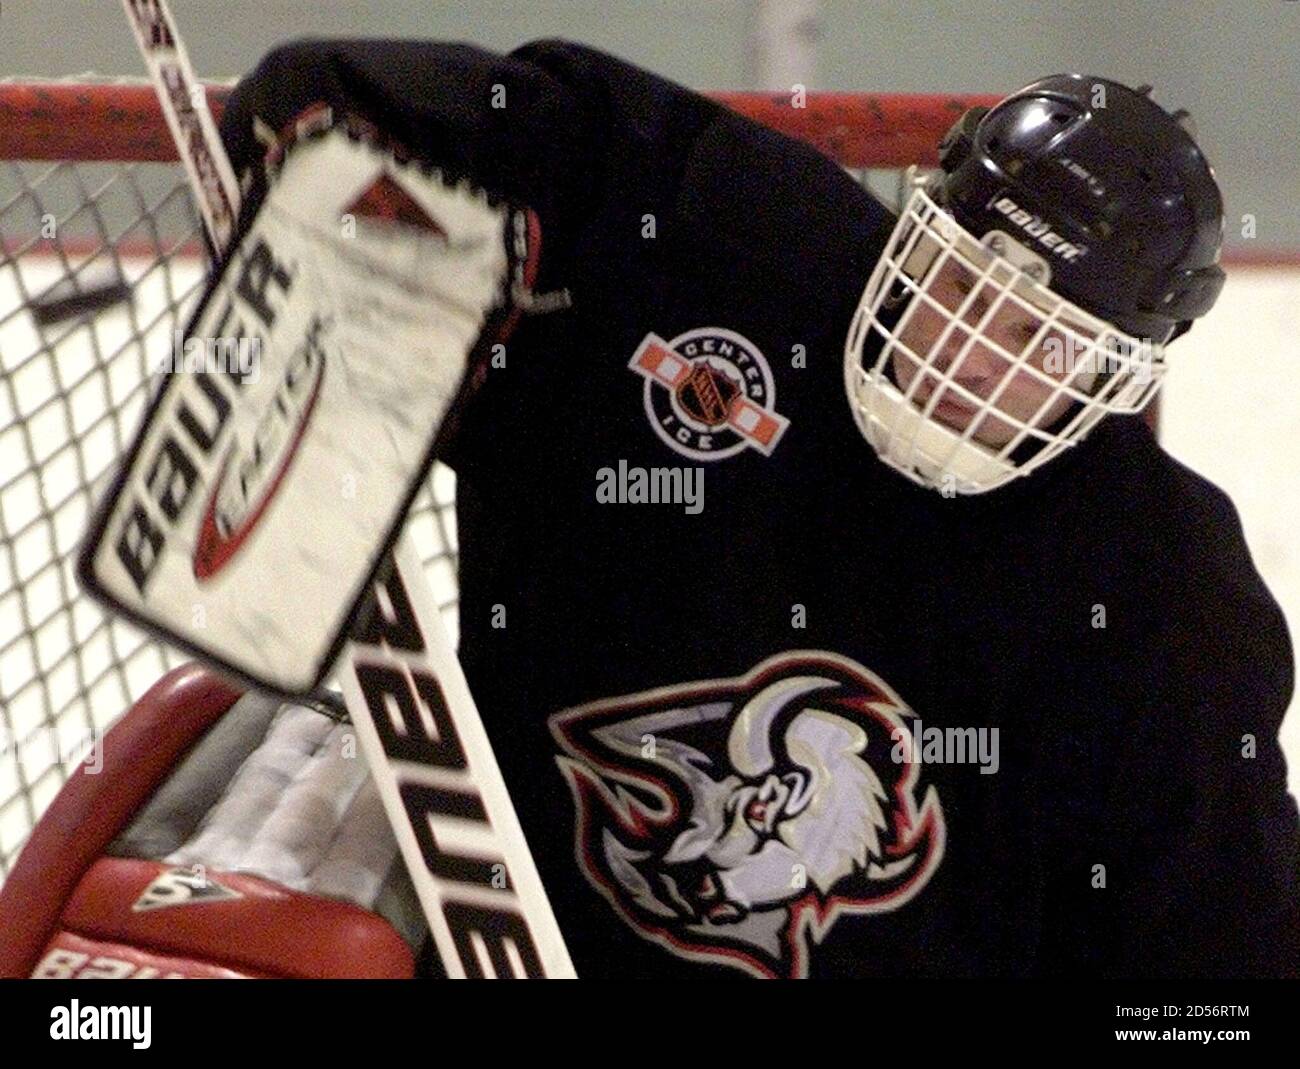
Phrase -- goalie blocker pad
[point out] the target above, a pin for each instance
(275, 466)
(131, 873)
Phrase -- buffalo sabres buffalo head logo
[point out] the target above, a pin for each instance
(734, 821)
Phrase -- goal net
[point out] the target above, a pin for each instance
(101, 260)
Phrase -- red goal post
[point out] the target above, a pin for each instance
(121, 121)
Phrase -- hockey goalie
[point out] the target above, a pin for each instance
(954, 673)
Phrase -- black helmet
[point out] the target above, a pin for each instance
(1106, 185)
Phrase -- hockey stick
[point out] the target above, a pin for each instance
(185, 107)
(422, 736)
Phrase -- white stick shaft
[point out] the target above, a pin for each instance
(185, 106)
(444, 793)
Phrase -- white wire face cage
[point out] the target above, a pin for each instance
(981, 373)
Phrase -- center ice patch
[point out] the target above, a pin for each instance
(709, 393)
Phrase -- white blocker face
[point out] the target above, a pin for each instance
(965, 371)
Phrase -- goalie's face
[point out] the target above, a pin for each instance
(965, 370)
(931, 352)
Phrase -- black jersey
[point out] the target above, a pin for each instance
(817, 721)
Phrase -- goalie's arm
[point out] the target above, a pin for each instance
(1201, 849)
(502, 123)
(486, 122)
